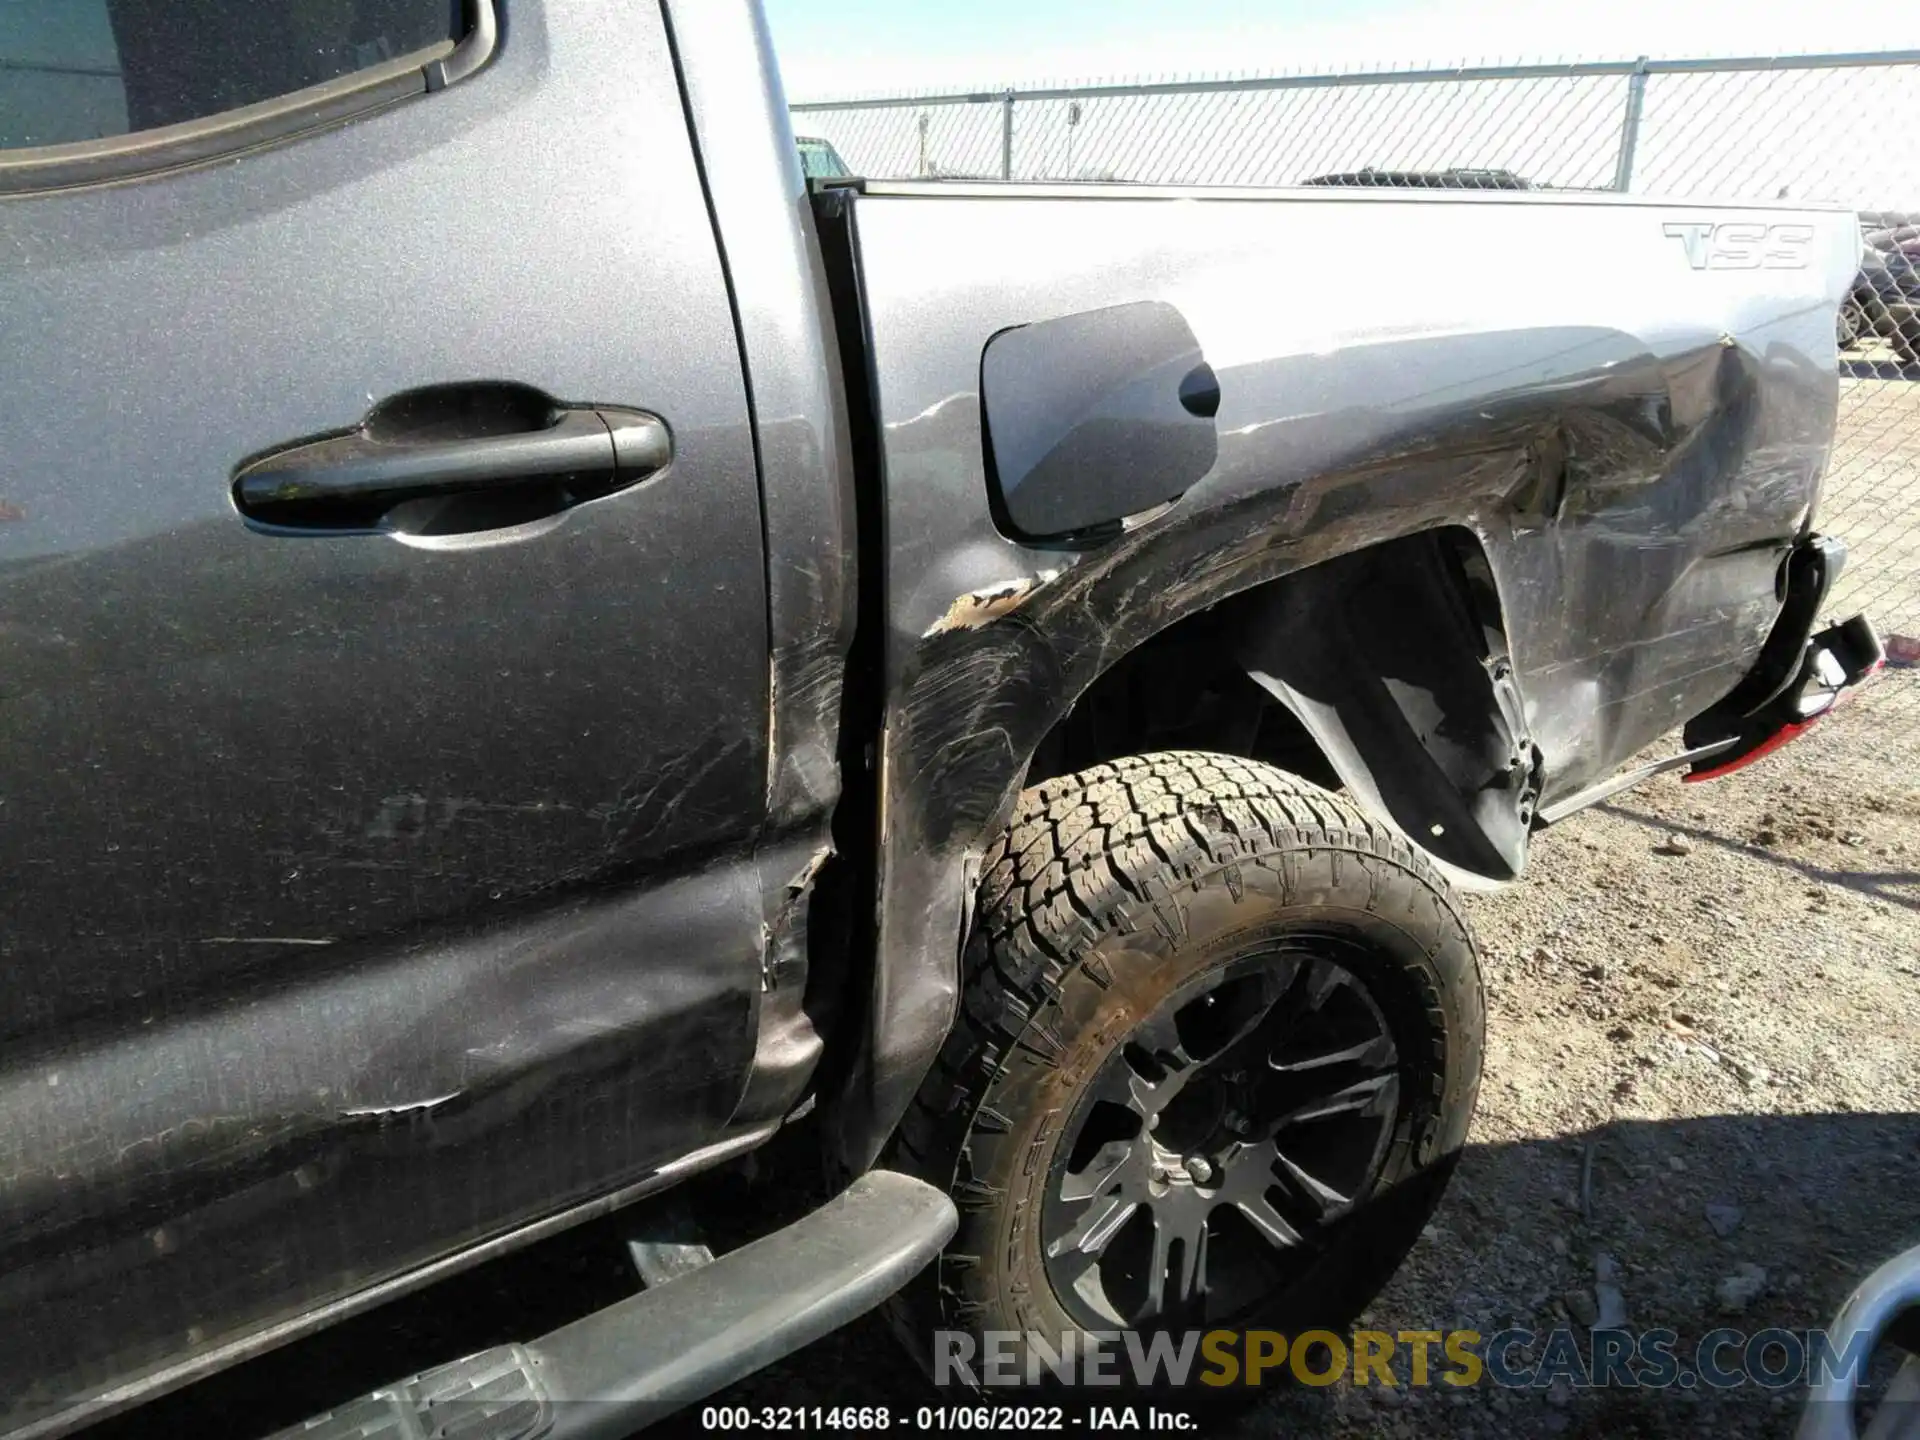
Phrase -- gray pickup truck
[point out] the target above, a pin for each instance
(541, 653)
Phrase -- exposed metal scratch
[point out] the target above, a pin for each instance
(407, 1107)
(797, 886)
(977, 607)
(267, 940)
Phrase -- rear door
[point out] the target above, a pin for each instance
(382, 655)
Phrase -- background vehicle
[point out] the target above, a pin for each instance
(1904, 238)
(541, 656)
(1885, 300)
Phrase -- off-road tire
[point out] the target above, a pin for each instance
(1109, 890)
(1849, 325)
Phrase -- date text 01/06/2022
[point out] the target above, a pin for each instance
(821, 1419)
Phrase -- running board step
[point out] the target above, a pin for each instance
(618, 1369)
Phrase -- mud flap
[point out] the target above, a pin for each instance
(1837, 659)
(1799, 677)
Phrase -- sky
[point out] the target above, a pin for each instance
(835, 48)
(1847, 136)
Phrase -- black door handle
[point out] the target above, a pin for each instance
(436, 478)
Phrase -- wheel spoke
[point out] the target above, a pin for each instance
(1106, 1169)
(1376, 1094)
(1322, 1196)
(1313, 984)
(1189, 1273)
(1121, 1084)
(1249, 1175)
(1377, 1053)
(1322, 980)
(1161, 1036)
(1177, 1279)
(1285, 1047)
(1271, 1224)
(1306, 990)
(1273, 991)
(1144, 1095)
(1068, 1267)
(1097, 1225)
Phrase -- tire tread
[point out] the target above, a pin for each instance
(1083, 853)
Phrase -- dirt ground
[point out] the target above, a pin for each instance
(1701, 998)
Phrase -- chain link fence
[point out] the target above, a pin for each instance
(1831, 128)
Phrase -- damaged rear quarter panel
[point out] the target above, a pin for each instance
(1634, 443)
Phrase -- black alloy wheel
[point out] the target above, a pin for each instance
(1248, 1112)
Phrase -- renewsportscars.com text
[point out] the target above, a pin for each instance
(1775, 1359)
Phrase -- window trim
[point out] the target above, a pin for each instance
(284, 117)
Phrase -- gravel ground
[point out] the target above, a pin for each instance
(1709, 991)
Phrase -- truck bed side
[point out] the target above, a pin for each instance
(1628, 418)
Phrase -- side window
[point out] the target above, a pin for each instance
(74, 71)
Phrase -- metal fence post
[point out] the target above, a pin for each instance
(1630, 126)
(1006, 136)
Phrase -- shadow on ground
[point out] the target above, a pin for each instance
(1896, 887)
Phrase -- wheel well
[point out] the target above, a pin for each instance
(1184, 689)
(1384, 672)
